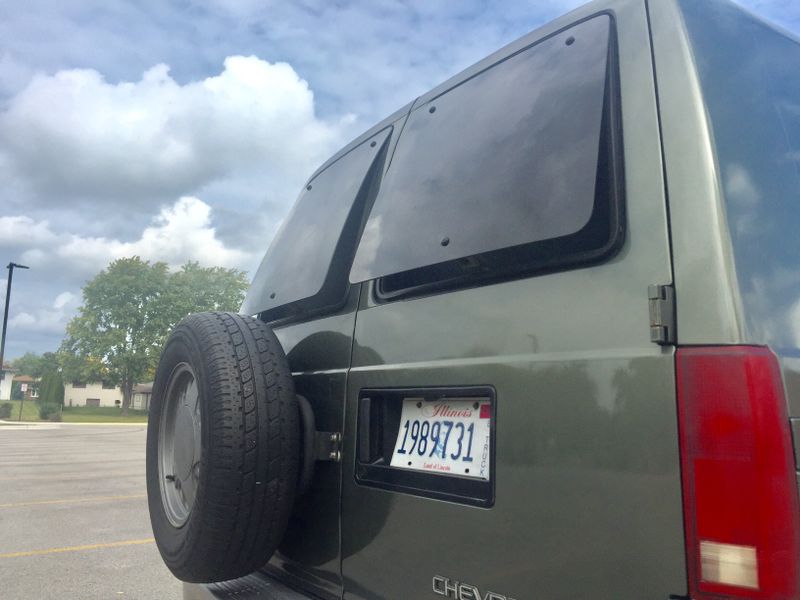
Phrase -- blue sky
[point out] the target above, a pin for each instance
(182, 130)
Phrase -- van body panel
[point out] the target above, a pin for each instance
(791, 379)
(709, 307)
(745, 75)
(583, 504)
(318, 352)
(587, 489)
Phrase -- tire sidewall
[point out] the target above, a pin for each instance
(181, 348)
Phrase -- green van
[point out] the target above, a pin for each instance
(536, 335)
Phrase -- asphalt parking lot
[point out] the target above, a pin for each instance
(73, 515)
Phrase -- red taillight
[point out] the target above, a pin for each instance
(739, 484)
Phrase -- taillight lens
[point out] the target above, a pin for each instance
(739, 484)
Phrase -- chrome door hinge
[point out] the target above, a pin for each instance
(662, 314)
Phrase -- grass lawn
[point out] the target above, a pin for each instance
(102, 414)
(80, 414)
(30, 411)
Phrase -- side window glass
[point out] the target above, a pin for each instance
(749, 75)
(307, 263)
(510, 158)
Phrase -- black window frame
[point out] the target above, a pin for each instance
(553, 254)
(336, 287)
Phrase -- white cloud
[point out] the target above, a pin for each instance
(24, 231)
(51, 320)
(742, 192)
(75, 133)
(740, 187)
(34, 256)
(22, 320)
(793, 317)
(64, 299)
(180, 233)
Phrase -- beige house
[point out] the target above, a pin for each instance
(6, 376)
(141, 396)
(93, 393)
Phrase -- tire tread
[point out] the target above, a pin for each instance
(250, 463)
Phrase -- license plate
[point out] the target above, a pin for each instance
(446, 437)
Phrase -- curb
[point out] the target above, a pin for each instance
(67, 424)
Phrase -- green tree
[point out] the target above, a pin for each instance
(195, 289)
(28, 364)
(51, 388)
(76, 367)
(128, 310)
(49, 363)
(35, 365)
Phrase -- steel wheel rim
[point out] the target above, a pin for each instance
(179, 445)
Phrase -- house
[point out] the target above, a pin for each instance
(141, 396)
(6, 376)
(93, 393)
(29, 386)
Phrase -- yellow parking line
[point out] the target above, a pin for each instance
(71, 500)
(58, 478)
(77, 548)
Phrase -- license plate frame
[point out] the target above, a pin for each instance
(378, 422)
(447, 436)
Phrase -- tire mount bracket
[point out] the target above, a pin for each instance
(316, 445)
(328, 446)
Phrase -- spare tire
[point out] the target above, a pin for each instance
(222, 447)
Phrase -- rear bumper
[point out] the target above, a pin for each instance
(257, 586)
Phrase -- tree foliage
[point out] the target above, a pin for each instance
(75, 367)
(196, 289)
(51, 389)
(36, 365)
(128, 310)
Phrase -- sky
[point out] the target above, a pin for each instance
(182, 130)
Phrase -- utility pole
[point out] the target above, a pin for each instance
(10, 268)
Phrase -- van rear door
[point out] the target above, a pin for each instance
(510, 426)
(302, 290)
(730, 109)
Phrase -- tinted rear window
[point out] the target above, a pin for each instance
(506, 158)
(302, 255)
(750, 76)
